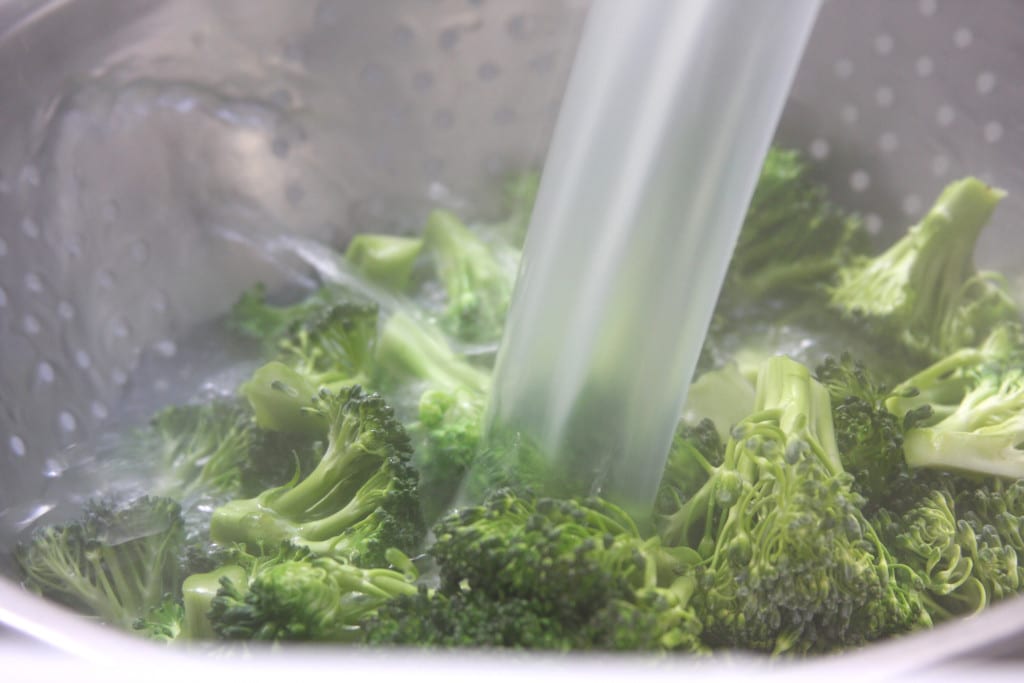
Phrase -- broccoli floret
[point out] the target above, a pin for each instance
(477, 284)
(118, 562)
(163, 623)
(385, 260)
(361, 498)
(254, 317)
(962, 538)
(301, 597)
(964, 412)
(924, 291)
(789, 561)
(793, 238)
(199, 448)
(869, 437)
(538, 573)
(693, 456)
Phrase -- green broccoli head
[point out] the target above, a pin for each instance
(693, 456)
(790, 562)
(964, 412)
(868, 436)
(118, 562)
(254, 317)
(923, 292)
(790, 215)
(364, 468)
(163, 623)
(303, 599)
(539, 573)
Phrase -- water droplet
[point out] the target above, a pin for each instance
(448, 38)
(17, 445)
(119, 377)
(993, 131)
(3, 247)
(873, 223)
(33, 283)
(45, 373)
(29, 228)
(819, 149)
(82, 359)
(924, 67)
(883, 44)
(65, 310)
(53, 468)
(99, 411)
(945, 115)
(912, 205)
(888, 142)
(105, 279)
(963, 37)
(140, 252)
(884, 96)
(67, 421)
(986, 82)
(31, 325)
(422, 81)
(927, 7)
(3, 298)
(166, 348)
(860, 180)
(843, 68)
(850, 114)
(30, 176)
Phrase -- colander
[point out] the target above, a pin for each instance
(152, 153)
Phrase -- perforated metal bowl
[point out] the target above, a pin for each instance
(148, 149)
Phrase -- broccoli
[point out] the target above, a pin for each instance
(254, 317)
(477, 284)
(118, 562)
(964, 412)
(385, 260)
(924, 291)
(298, 596)
(361, 498)
(790, 216)
(962, 538)
(163, 623)
(539, 573)
(789, 561)
(868, 436)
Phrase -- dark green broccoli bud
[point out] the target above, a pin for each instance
(924, 291)
(793, 238)
(118, 562)
(541, 573)
(477, 284)
(869, 437)
(361, 495)
(790, 562)
(385, 260)
(304, 599)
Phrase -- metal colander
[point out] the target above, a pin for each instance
(150, 151)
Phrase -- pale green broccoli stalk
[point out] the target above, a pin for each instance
(361, 498)
(118, 562)
(478, 286)
(411, 349)
(385, 260)
(924, 291)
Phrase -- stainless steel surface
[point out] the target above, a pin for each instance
(146, 145)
